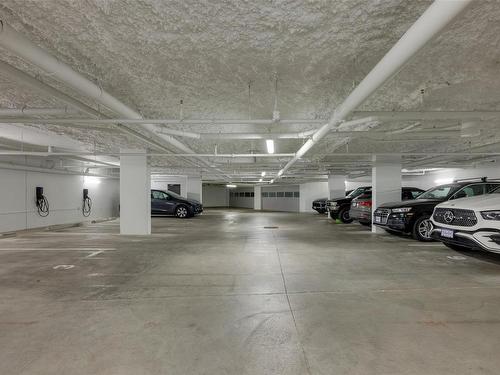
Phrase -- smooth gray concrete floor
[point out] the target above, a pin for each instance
(221, 294)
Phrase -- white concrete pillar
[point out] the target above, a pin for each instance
(257, 197)
(386, 182)
(194, 189)
(336, 186)
(135, 193)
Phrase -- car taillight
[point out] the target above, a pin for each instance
(365, 203)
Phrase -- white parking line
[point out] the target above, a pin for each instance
(426, 245)
(63, 249)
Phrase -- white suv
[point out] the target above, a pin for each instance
(469, 223)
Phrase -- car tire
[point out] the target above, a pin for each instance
(344, 215)
(456, 247)
(181, 212)
(422, 229)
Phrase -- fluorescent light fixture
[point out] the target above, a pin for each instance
(260, 180)
(231, 186)
(91, 180)
(270, 146)
(263, 174)
(272, 181)
(441, 181)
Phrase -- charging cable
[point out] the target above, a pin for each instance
(87, 206)
(42, 204)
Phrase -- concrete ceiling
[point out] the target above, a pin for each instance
(152, 54)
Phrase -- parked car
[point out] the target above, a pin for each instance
(339, 208)
(320, 205)
(414, 216)
(469, 223)
(169, 203)
(361, 206)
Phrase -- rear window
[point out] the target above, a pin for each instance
(439, 192)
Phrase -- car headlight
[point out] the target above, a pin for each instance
(490, 215)
(401, 210)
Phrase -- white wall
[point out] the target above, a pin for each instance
(311, 191)
(194, 188)
(162, 182)
(64, 193)
(215, 195)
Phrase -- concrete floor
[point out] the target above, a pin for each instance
(220, 294)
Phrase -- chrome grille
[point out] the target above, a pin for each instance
(383, 213)
(455, 216)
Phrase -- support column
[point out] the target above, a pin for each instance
(135, 193)
(257, 197)
(194, 188)
(386, 182)
(336, 186)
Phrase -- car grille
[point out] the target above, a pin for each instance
(383, 213)
(458, 217)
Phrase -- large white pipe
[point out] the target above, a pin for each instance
(30, 52)
(18, 112)
(25, 79)
(430, 24)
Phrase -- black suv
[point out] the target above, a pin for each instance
(339, 207)
(319, 205)
(413, 216)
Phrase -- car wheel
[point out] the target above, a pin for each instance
(344, 215)
(181, 212)
(456, 247)
(422, 229)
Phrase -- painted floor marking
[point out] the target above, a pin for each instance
(426, 245)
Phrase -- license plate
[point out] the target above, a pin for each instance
(378, 219)
(448, 233)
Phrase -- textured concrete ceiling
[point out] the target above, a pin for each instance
(151, 54)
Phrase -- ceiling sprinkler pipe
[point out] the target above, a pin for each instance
(19, 112)
(430, 24)
(30, 52)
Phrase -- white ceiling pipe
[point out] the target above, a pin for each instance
(429, 24)
(25, 79)
(19, 167)
(24, 48)
(18, 112)
(175, 122)
(427, 115)
(28, 153)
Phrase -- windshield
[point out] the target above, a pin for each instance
(356, 192)
(439, 192)
(175, 195)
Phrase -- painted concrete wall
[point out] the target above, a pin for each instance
(194, 188)
(215, 195)
(64, 193)
(311, 191)
(162, 182)
(274, 202)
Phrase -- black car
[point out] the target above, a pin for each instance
(361, 206)
(320, 205)
(413, 216)
(339, 207)
(169, 203)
